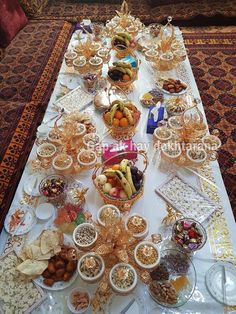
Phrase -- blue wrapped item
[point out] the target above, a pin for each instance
(131, 60)
(155, 115)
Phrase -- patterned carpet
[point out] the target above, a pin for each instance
(212, 54)
(74, 10)
(28, 73)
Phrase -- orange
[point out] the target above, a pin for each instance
(116, 167)
(107, 116)
(124, 122)
(118, 114)
(116, 122)
(126, 78)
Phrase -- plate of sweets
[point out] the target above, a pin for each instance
(51, 260)
(20, 220)
(151, 98)
(171, 86)
(173, 280)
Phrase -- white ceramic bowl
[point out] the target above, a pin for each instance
(88, 143)
(77, 229)
(159, 131)
(197, 161)
(69, 300)
(82, 130)
(120, 290)
(141, 234)
(149, 266)
(99, 275)
(213, 138)
(101, 210)
(87, 164)
(44, 211)
(43, 146)
(42, 130)
(66, 167)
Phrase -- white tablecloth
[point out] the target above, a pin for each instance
(150, 205)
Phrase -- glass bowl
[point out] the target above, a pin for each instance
(182, 276)
(53, 187)
(189, 234)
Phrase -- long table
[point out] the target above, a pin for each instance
(220, 226)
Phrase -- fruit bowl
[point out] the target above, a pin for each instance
(122, 75)
(123, 44)
(121, 184)
(121, 119)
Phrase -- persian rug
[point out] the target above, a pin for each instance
(74, 10)
(29, 71)
(212, 54)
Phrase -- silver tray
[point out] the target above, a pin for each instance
(186, 198)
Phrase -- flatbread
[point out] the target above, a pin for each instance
(50, 240)
(32, 268)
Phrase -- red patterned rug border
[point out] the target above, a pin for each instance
(26, 122)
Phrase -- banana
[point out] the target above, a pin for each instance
(122, 64)
(126, 65)
(127, 43)
(129, 72)
(124, 182)
(113, 111)
(117, 101)
(120, 38)
(125, 35)
(121, 106)
(128, 115)
(129, 105)
(128, 176)
(123, 165)
(120, 69)
(109, 173)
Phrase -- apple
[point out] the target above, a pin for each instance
(114, 192)
(122, 194)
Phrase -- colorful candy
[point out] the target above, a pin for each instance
(189, 234)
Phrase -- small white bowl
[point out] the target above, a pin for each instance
(44, 211)
(80, 245)
(88, 143)
(149, 266)
(87, 164)
(81, 132)
(42, 130)
(69, 300)
(197, 161)
(141, 234)
(65, 168)
(209, 146)
(158, 132)
(44, 146)
(99, 275)
(104, 207)
(117, 289)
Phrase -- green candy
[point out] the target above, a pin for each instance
(80, 219)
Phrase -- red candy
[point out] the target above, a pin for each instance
(186, 226)
(192, 234)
